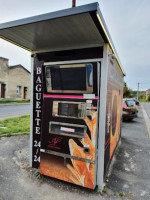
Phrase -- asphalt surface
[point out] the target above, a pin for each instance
(130, 174)
(14, 110)
(131, 171)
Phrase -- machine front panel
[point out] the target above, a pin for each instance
(69, 133)
(69, 123)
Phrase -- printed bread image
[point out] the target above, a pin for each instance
(92, 126)
(53, 166)
(85, 170)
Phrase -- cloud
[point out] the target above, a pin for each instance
(15, 54)
(127, 20)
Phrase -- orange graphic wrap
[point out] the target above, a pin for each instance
(85, 170)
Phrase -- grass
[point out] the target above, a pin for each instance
(15, 125)
(144, 100)
(15, 101)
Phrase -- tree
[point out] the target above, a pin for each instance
(126, 91)
(142, 96)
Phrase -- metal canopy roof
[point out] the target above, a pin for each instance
(57, 34)
(72, 28)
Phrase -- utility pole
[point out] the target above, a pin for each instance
(138, 91)
(73, 3)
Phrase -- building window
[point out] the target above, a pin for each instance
(18, 90)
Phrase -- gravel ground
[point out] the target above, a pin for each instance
(19, 182)
(130, 174)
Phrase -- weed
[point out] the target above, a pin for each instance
(116, 151)
(96, 189)
(104, 190)
(121, 194)
(37, 173)
(106, 179)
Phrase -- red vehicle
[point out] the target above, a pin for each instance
(130, 110)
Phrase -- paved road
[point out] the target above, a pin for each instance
(130, 173)
(14, 110)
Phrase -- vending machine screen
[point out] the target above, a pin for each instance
(69, 78)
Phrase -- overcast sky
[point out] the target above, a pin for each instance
(128, 22)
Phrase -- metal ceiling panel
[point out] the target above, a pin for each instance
(71, 32)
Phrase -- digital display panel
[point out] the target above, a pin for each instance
(68, 78)
(71, 78)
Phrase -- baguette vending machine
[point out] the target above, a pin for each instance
(76, 93)
(69, 138)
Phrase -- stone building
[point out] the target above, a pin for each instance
(147, 94)
(14, 81)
